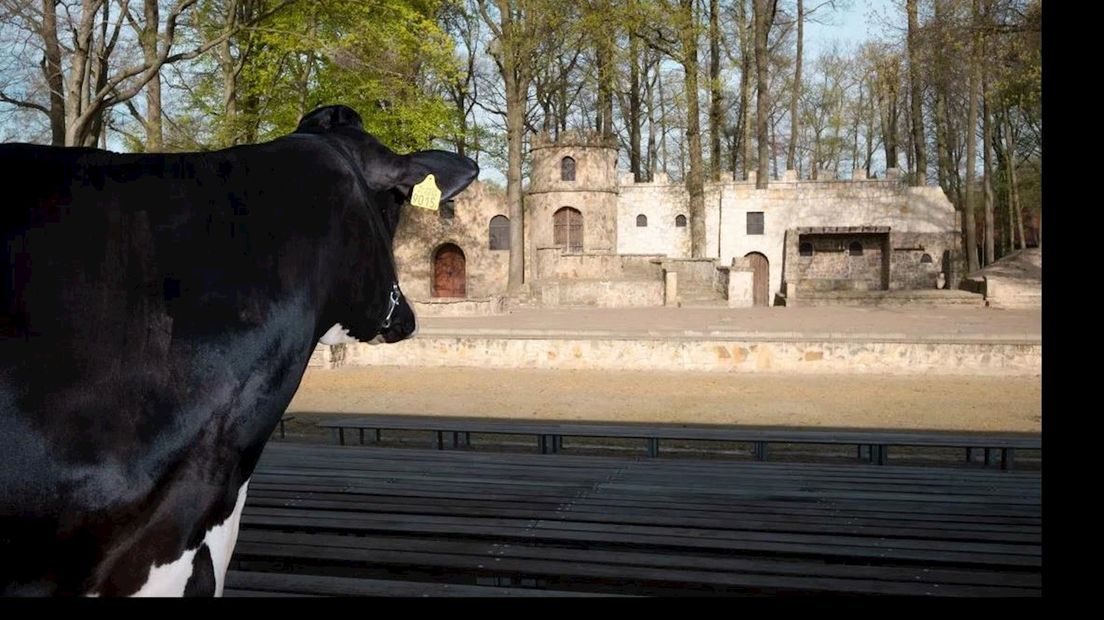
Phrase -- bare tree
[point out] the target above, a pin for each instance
(915, 96)
(98, 77)
(515, 26)
(764, 12)
(716, 112)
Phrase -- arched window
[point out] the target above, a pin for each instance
(567, 169)
(500, 232)
(926, 259)
(855, 249)
(805, 249)
(567, 229)
(641, 221)
(680, 221)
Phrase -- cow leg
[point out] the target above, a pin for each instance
(222, 539)
(191, 573)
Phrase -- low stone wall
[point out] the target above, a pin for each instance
(737, 354)
(601, 293)
(929, 297)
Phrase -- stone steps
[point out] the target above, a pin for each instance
(698, 291)
(889, 298)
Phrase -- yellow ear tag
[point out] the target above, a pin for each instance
(426, 195)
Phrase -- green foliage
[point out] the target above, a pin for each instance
(383, 58)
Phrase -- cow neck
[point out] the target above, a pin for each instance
(395, 295)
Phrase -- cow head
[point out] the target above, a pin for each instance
(373, 308)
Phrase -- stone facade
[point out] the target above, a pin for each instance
(908, 234)
(421, 232)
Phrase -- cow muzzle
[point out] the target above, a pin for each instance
(399, 323)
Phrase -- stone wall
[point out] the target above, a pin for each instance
(788, 205)
(908, 267)
(600, 293)
(422, 231)
(920, 219)
(722, 355)
(553, 263)
(661, 204)
(832, 267)
(593, 193)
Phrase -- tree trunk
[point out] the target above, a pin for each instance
(870, 121)
(855, 129)
(695, 179)
(1015, 215)
(795, 127)
(744, 25)
(1002, 200)
(662, 120)
(941, 147)
(98, 67)
(634, 119)
(604, 61)
(764, 17)
(148, 40)
(887, 101)
(971, 147)
(653, 157)
(78, 75)
(716, 111)
(515, 126)
(915, 94)
(986, 174)
(51, 68)
(814, 164)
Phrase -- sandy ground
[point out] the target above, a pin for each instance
(884, 402)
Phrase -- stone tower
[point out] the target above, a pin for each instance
(591, 191)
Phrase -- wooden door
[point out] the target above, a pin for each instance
(567, 229)
(760, 279)
(449, 272)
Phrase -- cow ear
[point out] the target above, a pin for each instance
(451, 171)
(329, 117)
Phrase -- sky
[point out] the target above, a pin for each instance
(848, 26)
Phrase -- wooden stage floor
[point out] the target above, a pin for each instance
(329, 520)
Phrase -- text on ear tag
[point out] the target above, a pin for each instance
(426, 195)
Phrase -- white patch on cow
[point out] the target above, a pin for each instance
(222, 538)
(171, 579)
(337, 335)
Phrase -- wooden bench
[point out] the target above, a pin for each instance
(340, 520)
(872, 446)
(241, 584)
(284, 420)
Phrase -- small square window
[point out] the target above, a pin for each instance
(755, 223)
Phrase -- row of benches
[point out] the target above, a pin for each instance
(344, 521)
(872, 446)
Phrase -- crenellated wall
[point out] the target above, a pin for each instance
(915, 224)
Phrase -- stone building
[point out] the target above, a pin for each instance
(594, 237)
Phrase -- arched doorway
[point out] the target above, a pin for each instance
(449, 272)
(760, 267)
(567, 229)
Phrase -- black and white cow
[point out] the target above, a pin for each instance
(157, 313)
